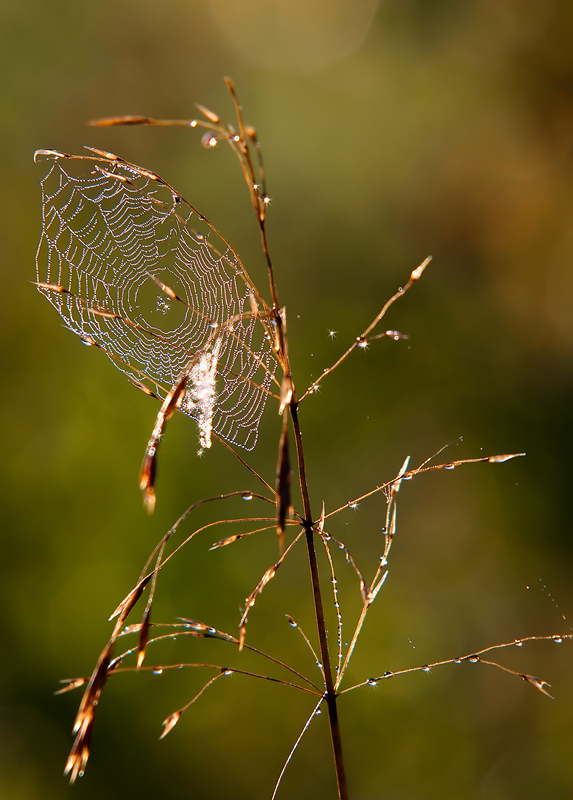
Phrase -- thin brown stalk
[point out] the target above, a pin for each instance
(362, 340)
(330, 697)
(473, 658)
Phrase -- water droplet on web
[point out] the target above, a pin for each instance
(425, 668)
(388, 674)
(227, 671)
(558, 639)
(371, 682)
(457, 661)
(318, 711)
(450, 466)
(473, 659)
(247, 496)
(158, 670)
(319, 665)
(518, 643)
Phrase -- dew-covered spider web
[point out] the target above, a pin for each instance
(125, 262)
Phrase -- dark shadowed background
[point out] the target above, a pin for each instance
(390, 131)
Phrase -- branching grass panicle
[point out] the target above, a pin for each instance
(135, 270)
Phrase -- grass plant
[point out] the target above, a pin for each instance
(136, 271)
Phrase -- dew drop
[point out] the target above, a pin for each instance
(318, 711)
(473, 659)
(371, 682)
(293, 623)
(158, 670)
(319, 665)
(209, 140)
(247, 496)
(425, 668)
(388, 674)
(518, 643)
(457, 661)
(558, 639)
(450, 466)
(226, 671)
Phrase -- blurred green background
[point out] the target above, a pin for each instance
(390, 131)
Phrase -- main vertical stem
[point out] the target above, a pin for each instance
(330, 697)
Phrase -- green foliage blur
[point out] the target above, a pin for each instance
(407, 128)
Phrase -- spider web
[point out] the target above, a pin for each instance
(130, 274)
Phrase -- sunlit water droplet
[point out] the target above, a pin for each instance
(473, 659)
(247, 496)
(558, 639)
(371, 682)
(518, 643)
(158, 670)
